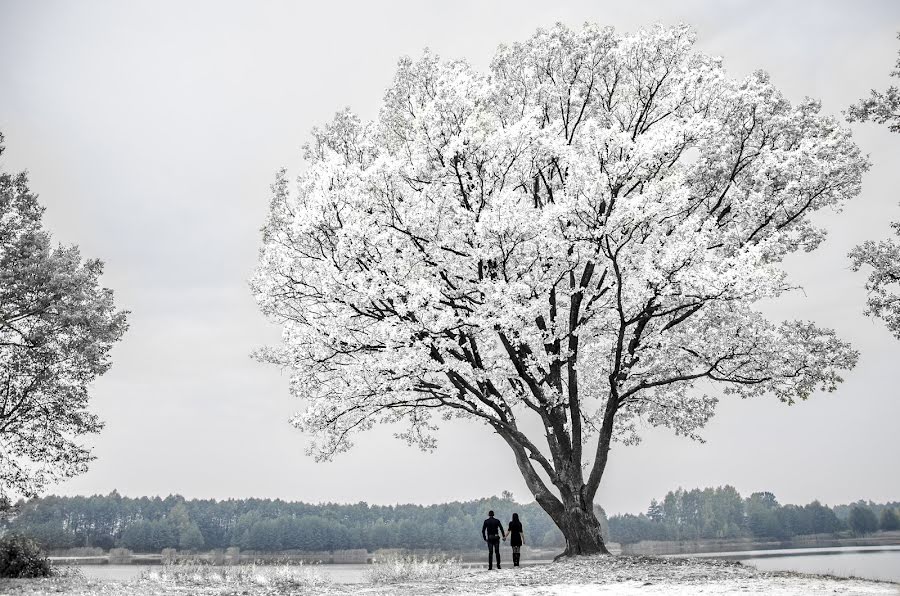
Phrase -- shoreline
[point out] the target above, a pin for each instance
(626, 575)
(697, 547)
(712, 550)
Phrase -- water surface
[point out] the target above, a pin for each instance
(870, 563)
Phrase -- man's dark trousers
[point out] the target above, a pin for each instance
(493, 547)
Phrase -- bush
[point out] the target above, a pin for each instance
(22, 557)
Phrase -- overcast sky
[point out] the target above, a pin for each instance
(152, 130)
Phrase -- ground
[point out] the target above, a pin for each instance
(581, 576)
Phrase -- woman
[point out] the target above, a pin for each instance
(516, 537)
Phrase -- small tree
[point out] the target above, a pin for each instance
(889, 520)
(57, 326)
(822, 518)
(862, 520)
(579, 235)
(191, 538)
(882, 256)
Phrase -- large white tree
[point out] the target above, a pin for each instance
(883, 256)
(578, 235)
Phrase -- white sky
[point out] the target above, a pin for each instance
(152, 131)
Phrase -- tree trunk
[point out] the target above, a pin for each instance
(573, 513)
(581, 528)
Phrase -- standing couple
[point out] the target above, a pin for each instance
(492, 529)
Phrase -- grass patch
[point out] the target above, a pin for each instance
(398, 570)
(237, 576)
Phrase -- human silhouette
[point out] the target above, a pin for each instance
(516, 538)
(491, 530)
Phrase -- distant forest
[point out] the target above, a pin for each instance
(149, 524)
(152, 524)
(722, 513)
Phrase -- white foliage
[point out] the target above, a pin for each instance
(883, 257)
(618, 189)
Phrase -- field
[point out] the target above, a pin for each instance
(626, 575)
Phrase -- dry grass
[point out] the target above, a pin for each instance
(400, 570)
(283, 577)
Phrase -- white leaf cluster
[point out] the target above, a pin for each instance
(883, 284)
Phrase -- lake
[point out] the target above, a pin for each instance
(867, 562)
(881, 563)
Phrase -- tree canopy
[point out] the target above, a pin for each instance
(57, 325)
(580, 233)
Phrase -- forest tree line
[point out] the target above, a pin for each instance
(722, 512)
(150, 524)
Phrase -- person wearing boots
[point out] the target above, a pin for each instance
(491, 530)
(516, 538)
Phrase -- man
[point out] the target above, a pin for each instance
(491, 530)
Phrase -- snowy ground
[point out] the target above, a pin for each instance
(579, 577)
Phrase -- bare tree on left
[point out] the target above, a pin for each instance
(57, 326)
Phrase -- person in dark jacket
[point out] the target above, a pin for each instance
(516, 538)
(491, 530)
